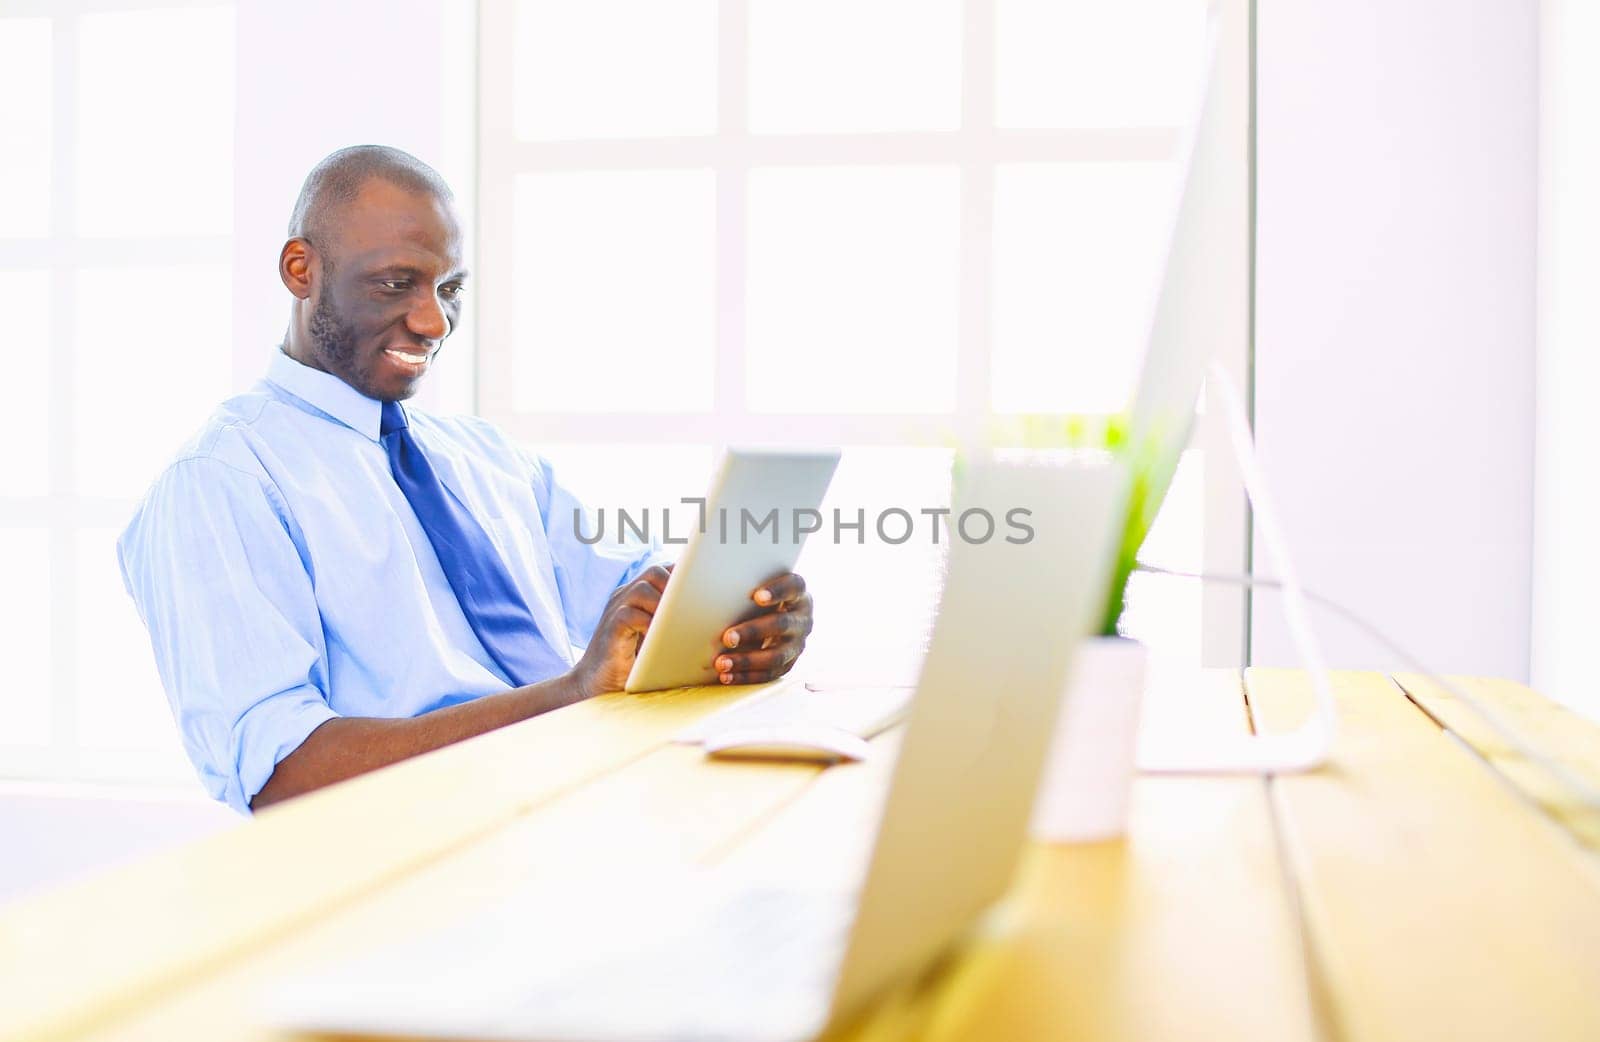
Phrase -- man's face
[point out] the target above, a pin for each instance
(386, 291)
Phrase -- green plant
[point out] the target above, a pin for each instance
(1151, 464)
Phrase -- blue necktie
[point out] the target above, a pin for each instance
(488, 598)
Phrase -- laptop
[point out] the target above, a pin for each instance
(696, 960)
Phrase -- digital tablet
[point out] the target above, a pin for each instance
(762, 505)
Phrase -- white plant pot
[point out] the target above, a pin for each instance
(1088, 773)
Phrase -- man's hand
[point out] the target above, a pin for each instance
(611, 651)
(765, 647)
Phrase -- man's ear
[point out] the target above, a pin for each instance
(294, 267)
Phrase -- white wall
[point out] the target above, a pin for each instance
(1395, 320)
(56, 833)
(1567, 497)
(317, 76)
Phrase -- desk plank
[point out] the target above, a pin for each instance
(1183, 931)
(664, 812)
(1435, 904)
(1572, 740)
(103, 947)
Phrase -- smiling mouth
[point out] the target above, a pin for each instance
(411, 360)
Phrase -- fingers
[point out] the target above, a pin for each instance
(656, 575)
(780, 591)
(642, 593)
(632, 606)
(766, 630)
(775, 661)
(768, 644)
(751, 678)
(754, 676)
(628, 620)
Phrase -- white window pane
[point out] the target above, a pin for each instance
(852, 289)
(27, 694)
(24, 419)
(838, 66)
(645, 480)
(875, 597)
(143, 387)
(155, 122)
(1078, 250)
(1089, 63)
(120, 703)
(25, 124)
(1162, 611)
(615, 68)
(615, 291)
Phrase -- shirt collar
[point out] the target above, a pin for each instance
(327, 393)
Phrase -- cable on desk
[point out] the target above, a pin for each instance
(1588, 793)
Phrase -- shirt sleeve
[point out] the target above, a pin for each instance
(586, 573)
(212, 562)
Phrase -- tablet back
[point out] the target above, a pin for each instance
(762, 505)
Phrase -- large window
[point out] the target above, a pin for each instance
(116, 216)
(867, 223)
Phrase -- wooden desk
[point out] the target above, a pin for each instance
(1428, 884)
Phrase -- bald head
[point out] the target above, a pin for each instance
(335, 183)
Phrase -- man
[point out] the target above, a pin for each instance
(332, 581)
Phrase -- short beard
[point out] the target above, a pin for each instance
(334, 337)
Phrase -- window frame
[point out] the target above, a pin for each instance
(63, 511)
(976, 148)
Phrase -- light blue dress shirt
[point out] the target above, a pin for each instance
(285, 580)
